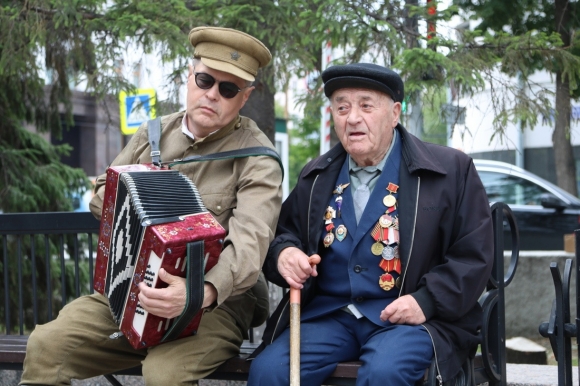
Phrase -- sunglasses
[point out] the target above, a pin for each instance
(206, 81)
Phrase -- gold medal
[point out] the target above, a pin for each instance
(389, 200)
(329, 214)
(386, 281)
(377, 248)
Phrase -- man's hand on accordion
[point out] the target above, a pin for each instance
(169, 302)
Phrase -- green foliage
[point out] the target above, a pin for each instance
(63, 43)
(435, 120)
(33, 178)
(304, 141)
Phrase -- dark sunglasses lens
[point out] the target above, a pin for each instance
(228, 89)
(204, 81)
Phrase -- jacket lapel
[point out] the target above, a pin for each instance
(347, 202)
(409, 184)
(320, 195)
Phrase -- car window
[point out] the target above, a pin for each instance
(511, 189)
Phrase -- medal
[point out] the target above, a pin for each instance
(377, 248)
(340, 188)
(386, 281)
(398, 282)
(329, 215)
(385, 221)
(396, 248)
(341, 232)
(388, 253)
(389, 201)
(338, 201)
(328, 239)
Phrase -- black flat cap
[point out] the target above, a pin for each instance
(363, 75)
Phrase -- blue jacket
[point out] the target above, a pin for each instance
(446, 244)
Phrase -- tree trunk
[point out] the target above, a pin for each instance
(260, 105)
(563, 153)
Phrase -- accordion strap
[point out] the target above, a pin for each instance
(195, 293)
(238, 153)
(154, 132)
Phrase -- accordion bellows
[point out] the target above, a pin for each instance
(149, 216)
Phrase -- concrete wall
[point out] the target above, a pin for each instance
(530, 295)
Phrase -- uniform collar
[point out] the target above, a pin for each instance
(214, 136)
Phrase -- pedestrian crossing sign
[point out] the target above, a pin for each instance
(136, 108)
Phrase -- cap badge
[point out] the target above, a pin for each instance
(235, 56)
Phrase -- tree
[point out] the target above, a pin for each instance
(387, 32)
(78, 42)
(304, 141)
(560, 17)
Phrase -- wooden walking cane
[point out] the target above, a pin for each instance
(295, 329)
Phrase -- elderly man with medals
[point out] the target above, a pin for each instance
(404, 236)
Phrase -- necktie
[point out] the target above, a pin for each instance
(362, 193)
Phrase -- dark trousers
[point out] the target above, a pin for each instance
(391, 355)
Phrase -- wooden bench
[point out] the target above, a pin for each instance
(488, 366)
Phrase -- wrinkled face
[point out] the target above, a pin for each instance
(207, 110)
(364, 121)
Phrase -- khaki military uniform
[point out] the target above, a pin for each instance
(244, 195)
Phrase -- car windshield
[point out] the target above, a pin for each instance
(511, 189)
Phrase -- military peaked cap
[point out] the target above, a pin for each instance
(229, 50)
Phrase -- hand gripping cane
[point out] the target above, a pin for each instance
(295, 329)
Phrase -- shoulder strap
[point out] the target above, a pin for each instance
(238, 153)
(154, 131)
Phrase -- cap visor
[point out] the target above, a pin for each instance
(227, 67)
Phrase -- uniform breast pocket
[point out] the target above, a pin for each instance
(220, 205)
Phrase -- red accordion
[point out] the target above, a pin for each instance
(153, 218)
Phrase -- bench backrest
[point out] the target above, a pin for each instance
(44, 253)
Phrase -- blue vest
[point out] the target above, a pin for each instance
(349, 273)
